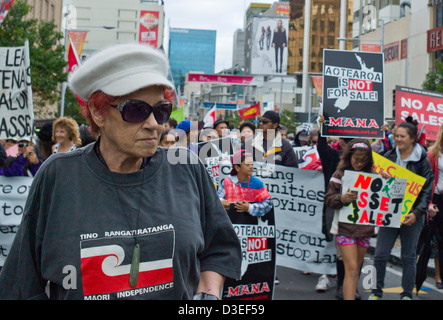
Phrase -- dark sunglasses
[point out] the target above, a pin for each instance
(265, 121)
(22, 145)
(137, 111)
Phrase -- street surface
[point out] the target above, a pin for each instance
(294, 285)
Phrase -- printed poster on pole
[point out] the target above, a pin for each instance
(353, 94)
(16, 108)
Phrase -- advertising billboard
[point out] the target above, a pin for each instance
(269, 45)
(149, 21)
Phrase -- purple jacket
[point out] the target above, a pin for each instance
(20, 167)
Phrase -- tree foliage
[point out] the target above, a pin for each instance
(47, 55)
(434, 78)
(289, 120)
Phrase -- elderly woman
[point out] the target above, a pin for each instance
(66, 135)
(96, 225)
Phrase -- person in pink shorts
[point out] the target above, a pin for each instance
(352, 239)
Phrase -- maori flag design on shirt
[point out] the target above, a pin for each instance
(106, 262)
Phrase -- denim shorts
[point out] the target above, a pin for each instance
(348, 241)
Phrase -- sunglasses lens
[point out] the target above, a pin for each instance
(135, 111)
(162, 112)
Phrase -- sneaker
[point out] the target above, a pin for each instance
(405, 298)
(373, 297)
(323, 284)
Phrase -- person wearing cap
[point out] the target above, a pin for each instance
(269, 146)
(221, 126)
(246, 192)
(330, 158)
(26, 163)
(302, 135)
(115, 219)
(184, 131)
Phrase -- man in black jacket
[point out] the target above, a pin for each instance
(269, 146)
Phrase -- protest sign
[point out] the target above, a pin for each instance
(13, 194)
(379, 201)
(306, 156)
(414, 182)
(222, 147)
(257, 240)
(425, 106)
(298, 197)
(353, 94)
(16, 108)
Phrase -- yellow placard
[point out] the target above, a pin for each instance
(414, 185)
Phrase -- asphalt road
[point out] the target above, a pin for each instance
(294, 285)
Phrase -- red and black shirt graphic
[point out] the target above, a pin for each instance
(106, 263)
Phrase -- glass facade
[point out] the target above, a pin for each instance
(325, 30)
(191, 50)
(439, 13)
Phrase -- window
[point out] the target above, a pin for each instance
(439, 13)
(298, 98)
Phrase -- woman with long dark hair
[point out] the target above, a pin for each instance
(352, 240)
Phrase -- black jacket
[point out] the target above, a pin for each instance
(284, 155)
(422, 168)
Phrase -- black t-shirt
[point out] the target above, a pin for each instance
(81, 223)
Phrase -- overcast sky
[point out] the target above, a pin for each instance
(225, 16)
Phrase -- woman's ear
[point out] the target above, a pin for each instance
(97, 117)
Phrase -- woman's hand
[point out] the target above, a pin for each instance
(385, 175)
(410, 219)
(349, 196)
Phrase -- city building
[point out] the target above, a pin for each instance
(402, 29)
(112, 21)
(238, 49)
(46, 10)
(306, 45)
(324, 33)
(190, 50)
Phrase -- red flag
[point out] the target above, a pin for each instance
(73, 60)
(422, 136)
(73, 64)
(250, 112)
(209, 118)
(5, 5)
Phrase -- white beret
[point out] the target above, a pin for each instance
(119, 70)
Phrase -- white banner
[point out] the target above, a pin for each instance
(16, 108)
(13, 194)
(298, 197)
